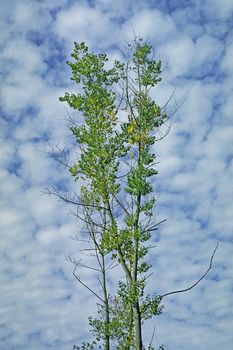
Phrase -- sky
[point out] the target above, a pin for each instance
(41, 304)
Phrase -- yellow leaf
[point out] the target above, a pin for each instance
(132, 126)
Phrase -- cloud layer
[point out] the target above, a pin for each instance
(41, 305)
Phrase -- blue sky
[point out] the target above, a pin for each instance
(41, 305)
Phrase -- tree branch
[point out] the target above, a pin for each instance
(55, 192)
(154, 227)
(86, 286)
(121, 205)
(196, 283)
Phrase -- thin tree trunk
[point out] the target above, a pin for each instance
(138, 326)
(106, 308)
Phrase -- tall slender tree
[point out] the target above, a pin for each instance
(116, 130)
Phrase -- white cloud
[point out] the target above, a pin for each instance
(227, 59)
(38, 293)
(74, 24)
(150, 23)
(219, 10)
(180, 52)
(22, 63)
(6, 155)
(188, 57)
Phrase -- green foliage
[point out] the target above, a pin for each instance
(151, 307)
(122, 206)
(150, 347)
(85, 346)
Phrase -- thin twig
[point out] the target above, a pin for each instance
(194, 284)
(86, 286)
(89, 267)
(152, 337)
(55, 192)
(121, 205)
(154, 227)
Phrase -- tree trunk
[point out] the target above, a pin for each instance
(106, 307)
(138, 327)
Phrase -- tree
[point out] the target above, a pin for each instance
(116, 129)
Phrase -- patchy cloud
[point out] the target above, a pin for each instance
(41, 306)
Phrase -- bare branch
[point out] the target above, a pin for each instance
(91, 221)
(112, 265)
(154, 227)
(168, 101)
(151, 246)
(163, 135)
(152, 337)
(57, 153)
(89, 267)
(194, 284)
(121, 205)
(55, 192)
(100, 282)
(86, 286)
